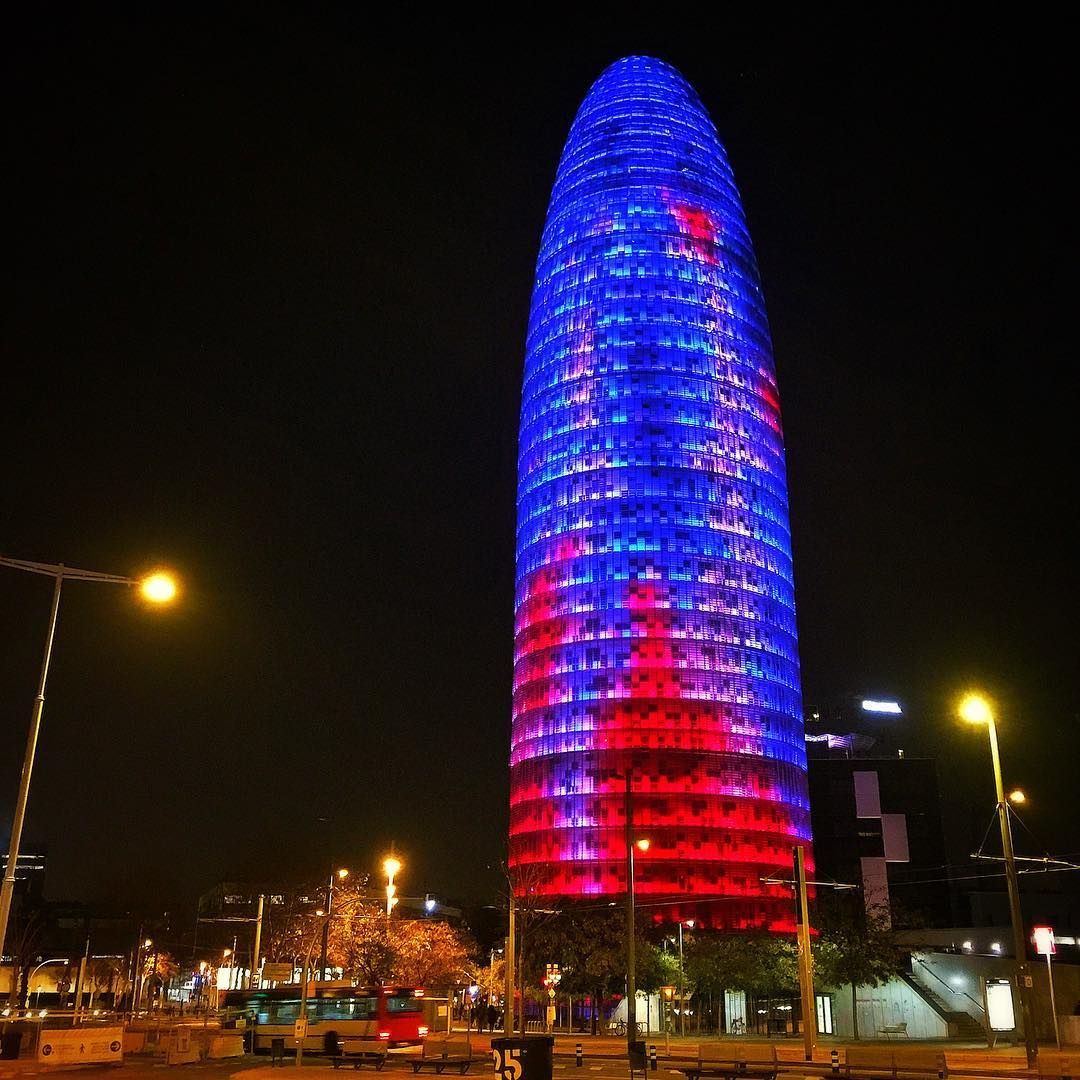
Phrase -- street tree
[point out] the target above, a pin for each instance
(102, 975)
(25, 933)
(158, 968)
(760, 965)
(429, 953)
(855, 949)
(589, 945)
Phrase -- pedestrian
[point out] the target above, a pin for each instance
(473, 1019)
(492, 1016)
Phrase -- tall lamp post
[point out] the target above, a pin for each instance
(335, 875)
(682, 979)
(300, 1027)
(976, 710)
(641, 845)
(157, 588)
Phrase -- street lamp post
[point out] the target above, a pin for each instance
(682, 979)
(34, 971)
(667, 995)
(158, 588)
(339, 875)
(141, 956)
(631, 919)
(976, 710)
(301, 1019)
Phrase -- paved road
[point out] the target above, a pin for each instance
(603, 1059)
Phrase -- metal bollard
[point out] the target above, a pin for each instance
(577, 1054)
(834, 1057)
(652, 1058)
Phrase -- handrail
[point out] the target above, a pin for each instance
(952, 989)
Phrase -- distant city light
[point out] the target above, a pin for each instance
(893, 707)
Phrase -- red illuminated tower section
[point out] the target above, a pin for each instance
(655, 617)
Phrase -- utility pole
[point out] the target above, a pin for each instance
(682, 986)
(136, 959)
(255, 980)
(806, 972)
(301, 1020)
(79, 980)
(508, 1010)
(1023, 979)
(631, 928)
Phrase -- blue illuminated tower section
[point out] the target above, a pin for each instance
(655, 630)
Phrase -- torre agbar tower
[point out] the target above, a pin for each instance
(656, 658)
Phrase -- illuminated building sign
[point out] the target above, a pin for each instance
(655, 631)
(999, 1005)
(882, 707)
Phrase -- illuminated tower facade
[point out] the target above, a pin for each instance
(655, 639)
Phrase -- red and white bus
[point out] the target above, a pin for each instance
(394, 1014)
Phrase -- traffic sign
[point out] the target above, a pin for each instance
(1043, 936)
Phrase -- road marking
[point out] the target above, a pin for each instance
(595, 1068)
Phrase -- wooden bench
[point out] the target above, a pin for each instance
(357, 1052)
(889, 1030)
(1059, 1066)
(911, 1063)
(439, 1053)
(733, 1060)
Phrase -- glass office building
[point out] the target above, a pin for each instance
(656, 657)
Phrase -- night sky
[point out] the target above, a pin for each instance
(267, 280)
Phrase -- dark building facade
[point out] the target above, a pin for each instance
(877, 824)
(876, 812)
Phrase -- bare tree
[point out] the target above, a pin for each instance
(24, 946)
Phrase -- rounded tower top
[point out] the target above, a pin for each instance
(642, 126)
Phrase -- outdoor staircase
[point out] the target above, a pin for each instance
(962, 1025)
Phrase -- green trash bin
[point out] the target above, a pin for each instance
(523, 1057)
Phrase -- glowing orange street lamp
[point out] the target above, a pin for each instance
(157, 588)
(391, 867)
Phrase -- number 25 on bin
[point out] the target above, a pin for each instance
(508, 1064)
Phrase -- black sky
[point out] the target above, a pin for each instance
(268, 274)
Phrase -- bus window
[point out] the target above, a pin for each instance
(362, 1008)
(399, 1004)
(283, 1012)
